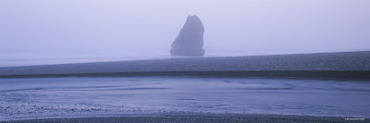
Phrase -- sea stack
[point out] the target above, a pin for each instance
(190, 40)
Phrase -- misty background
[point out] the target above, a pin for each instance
(61, 31)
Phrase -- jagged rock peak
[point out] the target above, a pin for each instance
(189, 42)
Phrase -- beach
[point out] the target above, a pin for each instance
(76, 97)
(328, 87)
(201, 118)
(342, 65)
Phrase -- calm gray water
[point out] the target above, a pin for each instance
(44, 57)
(31, 98)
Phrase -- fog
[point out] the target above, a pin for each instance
(243, 27)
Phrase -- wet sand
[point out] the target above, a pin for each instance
(74, 97)
(349, 65)
(201, 118)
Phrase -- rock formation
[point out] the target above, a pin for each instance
(190, 40)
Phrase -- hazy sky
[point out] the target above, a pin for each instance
(231, 25)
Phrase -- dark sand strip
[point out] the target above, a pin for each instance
(343, 75)
(201, 118)
(352, 65)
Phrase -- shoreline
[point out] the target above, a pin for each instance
(197, 117)
(343, 65)
(341, 75)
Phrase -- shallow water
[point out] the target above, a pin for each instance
(31, 98)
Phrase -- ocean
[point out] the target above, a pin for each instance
(12, 58)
